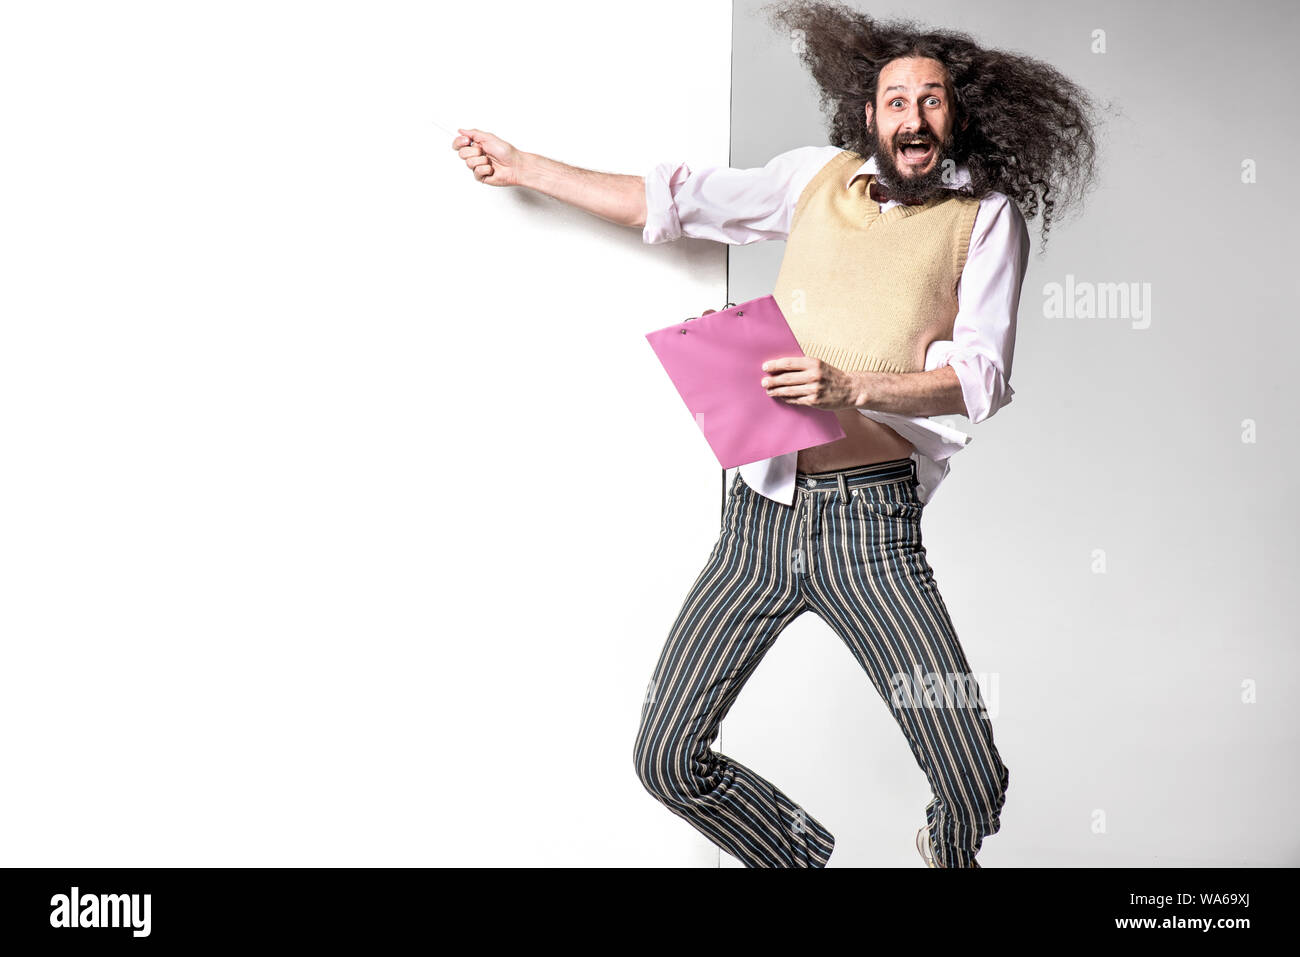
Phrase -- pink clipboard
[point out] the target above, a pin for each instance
(716, 363)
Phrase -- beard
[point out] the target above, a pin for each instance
(908, 186)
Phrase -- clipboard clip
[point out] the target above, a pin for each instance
(727, 306)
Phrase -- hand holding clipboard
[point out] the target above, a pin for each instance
(715, 362)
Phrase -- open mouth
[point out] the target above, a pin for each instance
(916, 152)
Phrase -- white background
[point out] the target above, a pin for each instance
(344, 507)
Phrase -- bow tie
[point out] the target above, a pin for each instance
(882, 195)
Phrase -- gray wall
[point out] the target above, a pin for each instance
(1117, 556)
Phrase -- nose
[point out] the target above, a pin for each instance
(912, 123)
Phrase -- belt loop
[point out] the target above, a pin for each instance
(844, 488)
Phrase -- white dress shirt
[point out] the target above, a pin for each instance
(742, 206)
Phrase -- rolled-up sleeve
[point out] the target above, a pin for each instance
(661, 222)
(984, 330)
(728, 205)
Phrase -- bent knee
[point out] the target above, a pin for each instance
(665, 771)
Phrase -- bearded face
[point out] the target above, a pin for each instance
(912, 128)
(912, 164)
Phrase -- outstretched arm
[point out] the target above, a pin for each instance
(672, 200)
(616, 197)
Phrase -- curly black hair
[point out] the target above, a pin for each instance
(1028, 126)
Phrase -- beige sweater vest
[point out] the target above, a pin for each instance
(865, 290)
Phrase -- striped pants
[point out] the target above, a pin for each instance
(848, 549)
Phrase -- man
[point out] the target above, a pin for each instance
(906, 250)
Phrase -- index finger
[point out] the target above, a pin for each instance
(785, 363)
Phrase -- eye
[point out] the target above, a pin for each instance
(895, 101)
(932, 100)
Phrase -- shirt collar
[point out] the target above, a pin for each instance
(962, 176)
